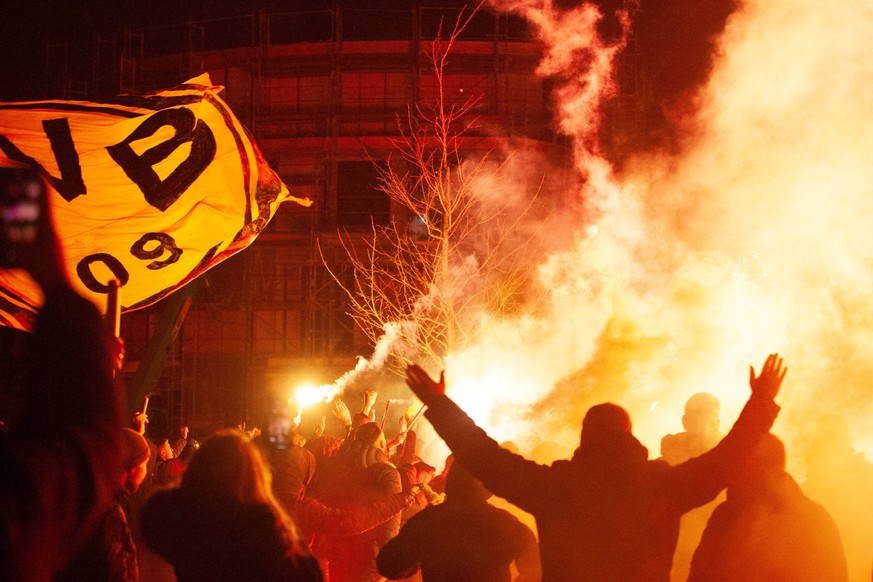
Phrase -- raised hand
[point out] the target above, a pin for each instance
(423, 385)
(767, 384)
(369, 401)
(341, 412)
(139, 420)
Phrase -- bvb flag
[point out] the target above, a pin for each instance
(151, 191)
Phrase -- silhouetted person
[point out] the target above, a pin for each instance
(841, 479)
(61, 458)
(223, 523)
(767, 530)
(110, 555)
(463, 538)
(701, 423)
(609, 514)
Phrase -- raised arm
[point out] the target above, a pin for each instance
(316, 517)
(61, 460)
(369, 400)
(504, 473)
(698, 480)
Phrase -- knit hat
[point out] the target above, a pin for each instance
(604, 423)
(136, 449)
(606, 417)
(463, 487)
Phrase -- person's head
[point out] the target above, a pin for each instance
(604, 421)
(165, 451)
(324, 446)
(372, 435)
(701, 414)
(136, 459)
(229, 466)
(462, 486)
(765, 459)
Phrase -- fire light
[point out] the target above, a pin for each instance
(308, 394)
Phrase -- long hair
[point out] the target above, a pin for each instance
(228, 466)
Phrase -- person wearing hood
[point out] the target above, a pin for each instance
(608, 514)
(463, 538)
(767, 529)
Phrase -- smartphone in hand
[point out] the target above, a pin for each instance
(22, 200)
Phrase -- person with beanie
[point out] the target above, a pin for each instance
(609, 514)
(767, 529)
(463, 538)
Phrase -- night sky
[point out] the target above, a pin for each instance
(27, 27)
(675, 34)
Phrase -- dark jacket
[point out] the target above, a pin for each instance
(609, 514)
(221, 540)
(465, 539)
(62, 461)
(108, 556)
(771, 534)
(293, 471)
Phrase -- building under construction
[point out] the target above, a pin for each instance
(325, 90)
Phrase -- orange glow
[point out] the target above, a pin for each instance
(308, 395)
(690, 267)
(694, 266)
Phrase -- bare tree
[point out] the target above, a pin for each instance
(448, 254)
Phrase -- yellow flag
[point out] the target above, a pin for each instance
(150, 190)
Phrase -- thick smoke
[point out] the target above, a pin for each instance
(688, 267)
(754, 239)
(677, 273)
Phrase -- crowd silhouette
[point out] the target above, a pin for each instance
(84, 497)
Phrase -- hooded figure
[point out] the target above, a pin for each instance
(463, 538)
(608, 514)
(767, 530)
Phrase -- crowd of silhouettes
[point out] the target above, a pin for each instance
(84, 497)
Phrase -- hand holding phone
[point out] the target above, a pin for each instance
(22, 204)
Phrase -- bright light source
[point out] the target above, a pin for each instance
(307, 394)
